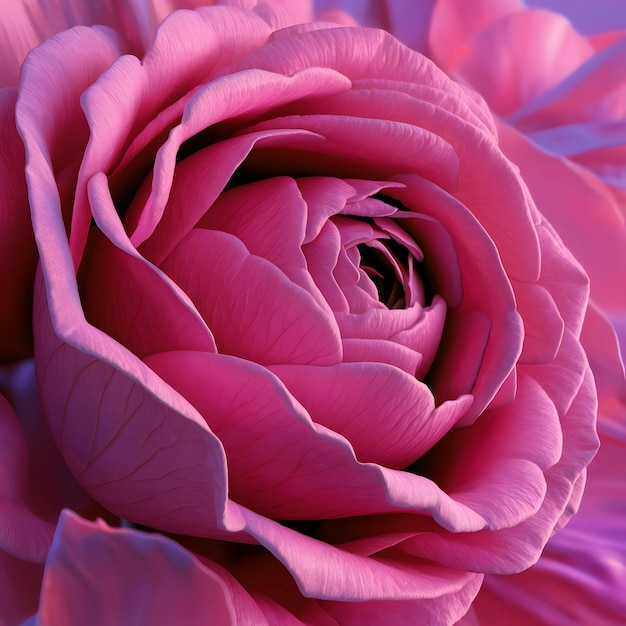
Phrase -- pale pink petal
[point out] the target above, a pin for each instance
(98, 575)
(594, 91)
(20, 582)
(597, 146)
(508, 73)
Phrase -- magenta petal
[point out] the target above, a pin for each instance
(186, 48)
(120, 295)
(357, 350)
(20, 582)
(507, 437)
(99, 575)
(252, 308)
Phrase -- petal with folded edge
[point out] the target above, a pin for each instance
(96, 574)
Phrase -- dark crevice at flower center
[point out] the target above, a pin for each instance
(304, 527)
(377, 265)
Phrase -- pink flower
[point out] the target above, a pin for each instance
(296, 312)
(560, 100)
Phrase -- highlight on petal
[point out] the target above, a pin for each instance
(98, 575)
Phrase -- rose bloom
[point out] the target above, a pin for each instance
(558, 92)
(306, 350)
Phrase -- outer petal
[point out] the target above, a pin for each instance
(405, 19)
(99, 575)
(23, 534)
(581, 576)
(605, 16)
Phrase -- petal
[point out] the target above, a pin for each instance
(543, 324)
(252, 308)
(120, 290)
(185, 49)
(581, 575)
(607, 14)
(582, 211)
(331, 573)
(96, 574)
(507, 73)
(143, 452)
(454, 24)
(28, 23)
(23, 534)
(269, 217)
(20, 582)
(403, 19)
